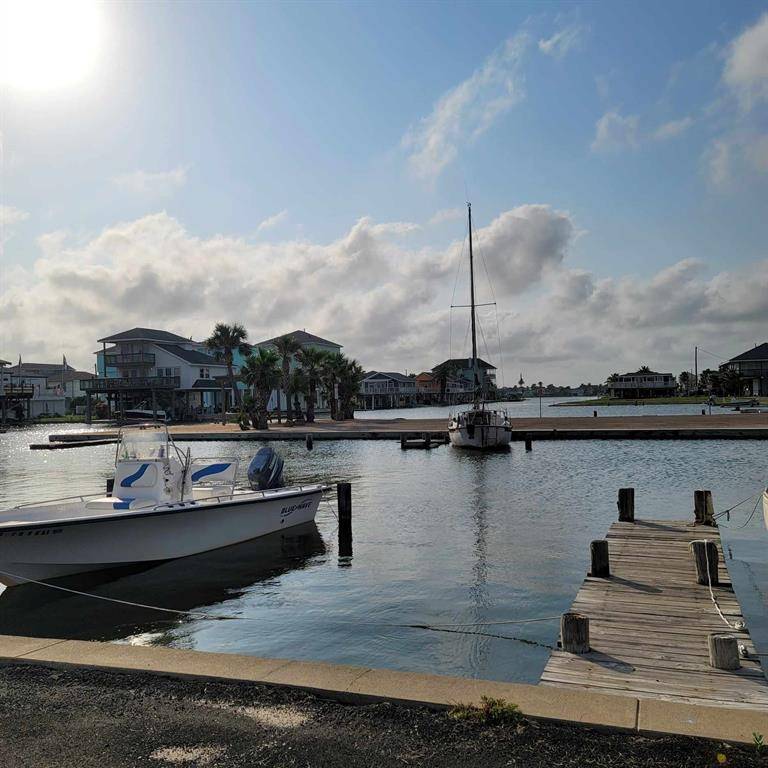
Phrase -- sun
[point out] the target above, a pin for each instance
(48, 44)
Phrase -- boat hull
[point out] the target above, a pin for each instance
(53, 549)
(484, 438)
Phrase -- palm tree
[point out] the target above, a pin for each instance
(225, 340)
(612, 379)
(331, 369)
(286, 347)
(350, 379)
(298, 384)
(445, 371)
(261, 373)
(685, 381)
(644, 369)
(311, 361)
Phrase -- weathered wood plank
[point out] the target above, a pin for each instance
(650, 621)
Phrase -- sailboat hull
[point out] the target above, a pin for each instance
(481, 438)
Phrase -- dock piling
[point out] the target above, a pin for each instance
(705, 557)
(574, 632)
(724, 652)
(309, 441)
(626, 505)
(528, 443)
(403, 440)
(703, 508)
(601, 564)
(344, 494)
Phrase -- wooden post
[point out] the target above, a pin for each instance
(705, 557)
(344, 494)
(574, 633)
(703, 508)
(427, 440)
(626, 505)
(724, 651)
(88, 408)
(110, 485)
(528, 443)
(703, 412)
(601, 566)
(402, 439)
(309, 441)
(594, 413)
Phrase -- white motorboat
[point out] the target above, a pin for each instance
(478, 427)
(164, 505)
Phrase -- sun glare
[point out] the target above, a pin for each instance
(48, 44)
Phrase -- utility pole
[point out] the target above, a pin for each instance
(696, 367)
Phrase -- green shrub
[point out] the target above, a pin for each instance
(490, 712)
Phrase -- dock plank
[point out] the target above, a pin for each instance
(650, 620)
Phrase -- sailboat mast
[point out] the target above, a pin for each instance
(472, 301)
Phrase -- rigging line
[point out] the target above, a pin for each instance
(712, 354)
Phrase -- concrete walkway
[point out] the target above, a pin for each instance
(359, 685)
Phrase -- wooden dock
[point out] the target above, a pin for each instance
(649, 623)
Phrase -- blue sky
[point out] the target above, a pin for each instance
(305, 165)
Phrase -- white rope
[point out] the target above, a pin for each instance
(739, 625)
(224, 617)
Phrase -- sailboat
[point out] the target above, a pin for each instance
(481, 428)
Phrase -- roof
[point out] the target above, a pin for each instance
(303, 338)
(4, 362)
(646, 373)
(392, 375)
(143, 334)
(206, 384)
(38, 369)
(760, 352)
(464, 362)
(190, 355)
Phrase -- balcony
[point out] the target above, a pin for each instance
(129, 358)
(17, 391)
(130, 383)
(643, 384)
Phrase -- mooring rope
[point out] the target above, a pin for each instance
(739, 625)
(224, 617)
(727, 512)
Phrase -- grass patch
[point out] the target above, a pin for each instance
(490, 712)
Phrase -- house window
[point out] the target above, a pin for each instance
(205, 373)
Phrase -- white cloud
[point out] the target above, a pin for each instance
(467, 110)
(272, 221)
(568, 39)
(152, 184)
(746, 69)
(673, 128)
(447, 214)
(718, 159)
(386, 302)
(615, 132)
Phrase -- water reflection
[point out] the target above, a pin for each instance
(216, 579)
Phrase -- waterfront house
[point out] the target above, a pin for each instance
(643, 384)
(460, 375)
(150, 368)
(387, 389)
(752, 366)
(306, 340)
(26, 393)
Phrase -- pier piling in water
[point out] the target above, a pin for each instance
(574, 633)
(344, 494)
(705, 557)
(626, 505)
(309, 441)
(703, 508)
(601, 564)
(528, 443)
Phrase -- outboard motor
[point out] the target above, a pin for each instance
(266, 470)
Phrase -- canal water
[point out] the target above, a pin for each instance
(440, 537)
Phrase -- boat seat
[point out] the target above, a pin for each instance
(111, 503)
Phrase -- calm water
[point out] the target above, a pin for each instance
(440, 536)
(530, 408)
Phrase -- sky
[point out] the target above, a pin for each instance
(308, 165)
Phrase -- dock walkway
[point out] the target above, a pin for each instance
(649, 622)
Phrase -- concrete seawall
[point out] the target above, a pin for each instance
(356, 685)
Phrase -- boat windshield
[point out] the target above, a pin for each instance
(143, 444)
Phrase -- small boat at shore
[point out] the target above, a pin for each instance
(164, 505)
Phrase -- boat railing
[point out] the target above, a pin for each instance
(265, 493)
